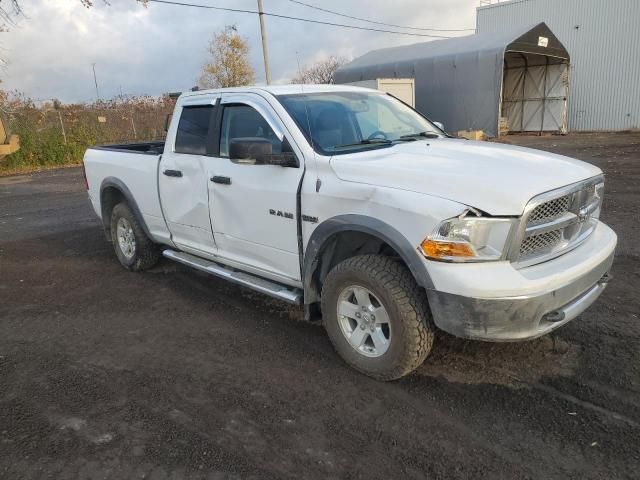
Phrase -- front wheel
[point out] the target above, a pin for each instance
(133, 248)
(377, 316)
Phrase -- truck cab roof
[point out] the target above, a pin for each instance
(280, 89)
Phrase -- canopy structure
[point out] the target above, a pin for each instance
(469, 83)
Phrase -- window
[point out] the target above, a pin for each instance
(193, 129)
(343, 122)
(242, 121)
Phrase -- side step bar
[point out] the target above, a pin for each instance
(268, 287)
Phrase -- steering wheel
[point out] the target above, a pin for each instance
(376, 134)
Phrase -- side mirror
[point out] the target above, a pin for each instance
(250, 149)
(259, 151)
(439, 125)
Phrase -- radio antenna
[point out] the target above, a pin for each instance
(306, 111)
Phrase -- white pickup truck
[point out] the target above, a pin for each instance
(353, 204)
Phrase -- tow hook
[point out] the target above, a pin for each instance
(559, 315)
(554, 317)
(606, 278)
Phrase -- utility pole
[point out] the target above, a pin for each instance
(95, 79)
(265, 54)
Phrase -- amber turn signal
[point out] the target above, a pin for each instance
(439, 250)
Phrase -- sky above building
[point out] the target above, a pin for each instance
(161, 48)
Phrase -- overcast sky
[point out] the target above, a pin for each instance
(162, 48)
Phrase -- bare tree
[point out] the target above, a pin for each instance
(229, 63)
(320, 72)
(9, 11)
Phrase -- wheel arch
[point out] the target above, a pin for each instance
(113, 191)
(319, 257)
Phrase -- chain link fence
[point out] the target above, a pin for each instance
(54, 134)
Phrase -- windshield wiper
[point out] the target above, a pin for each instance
(373, 141)
(421, 134)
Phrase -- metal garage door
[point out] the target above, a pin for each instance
(535, 97)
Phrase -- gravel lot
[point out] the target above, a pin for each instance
(170, 374)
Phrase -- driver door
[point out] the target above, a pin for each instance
(253, 207)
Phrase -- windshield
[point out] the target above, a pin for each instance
(344, 122)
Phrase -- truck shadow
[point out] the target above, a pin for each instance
(455, 359)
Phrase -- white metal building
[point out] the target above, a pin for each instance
(603, 38)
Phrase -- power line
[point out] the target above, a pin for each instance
(308, 20)
(315, 7)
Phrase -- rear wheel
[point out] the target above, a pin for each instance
(134, 249)
(377, 316)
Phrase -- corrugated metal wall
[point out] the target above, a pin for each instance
(603, 39)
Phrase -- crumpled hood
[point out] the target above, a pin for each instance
(496, 178)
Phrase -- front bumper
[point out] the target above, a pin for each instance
(526, 316)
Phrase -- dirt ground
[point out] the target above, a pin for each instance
(170, 374)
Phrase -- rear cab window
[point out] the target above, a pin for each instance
(193, 129)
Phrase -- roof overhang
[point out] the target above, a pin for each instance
(539, 40)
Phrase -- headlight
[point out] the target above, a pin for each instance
(468, 239)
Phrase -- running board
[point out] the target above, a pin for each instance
(273, 289)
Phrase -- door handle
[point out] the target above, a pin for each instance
(173, 173)
(222, 180)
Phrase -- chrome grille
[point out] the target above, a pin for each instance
(549, 210)
(557, 221)
(544, 241)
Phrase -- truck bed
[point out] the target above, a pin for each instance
(150, 148)
(134, 165)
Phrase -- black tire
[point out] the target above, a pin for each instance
(411, 326)
(146, 253)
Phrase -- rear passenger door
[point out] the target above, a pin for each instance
(183, 181)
